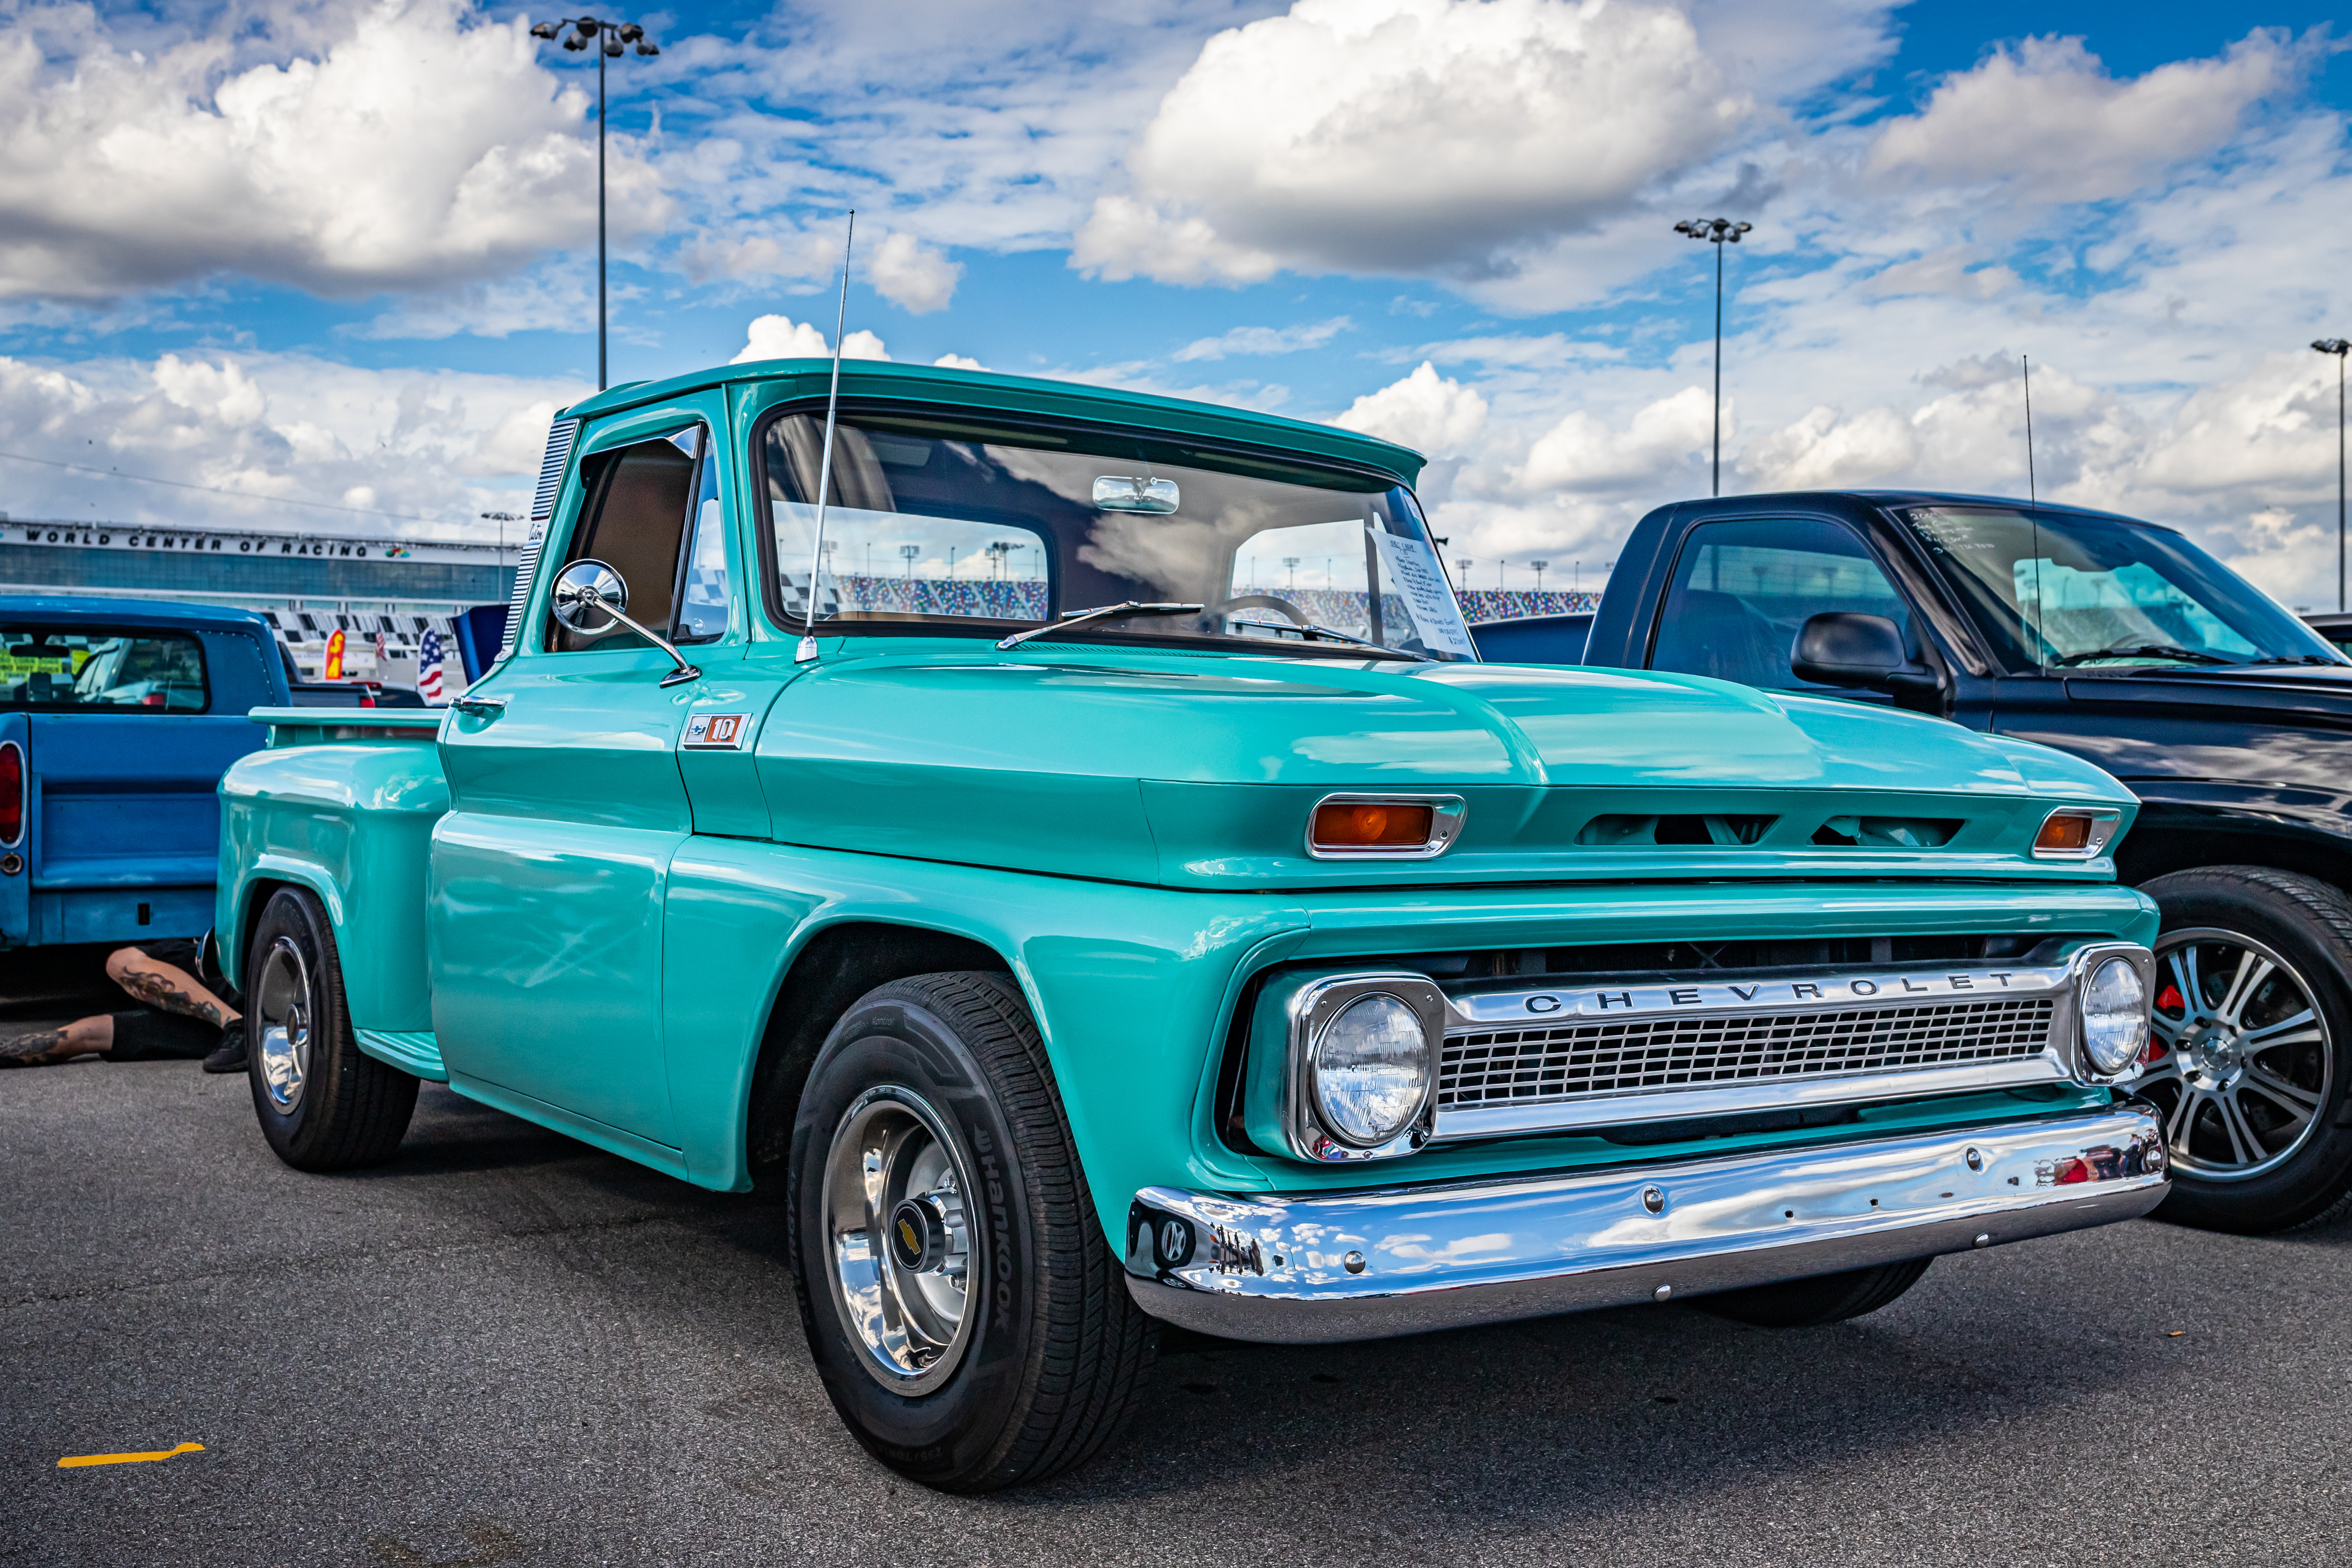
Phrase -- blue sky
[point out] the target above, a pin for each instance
(333, 253)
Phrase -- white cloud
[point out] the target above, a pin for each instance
(1583, 453)
(1823, 452)
(911, 275)
(275, 431)
(1434, 415)
(958, 362)
(1407, 135)
(416, 148)
(781, 337)
(2046, 118)
(1264, 339)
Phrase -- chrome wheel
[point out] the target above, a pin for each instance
(903, 1263)
(2240, 1061)
(282, 1014)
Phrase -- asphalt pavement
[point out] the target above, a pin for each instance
(506, 1347)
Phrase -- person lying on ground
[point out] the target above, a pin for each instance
(178, 1019)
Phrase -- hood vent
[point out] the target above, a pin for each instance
(1888, 832)
(1674, 829)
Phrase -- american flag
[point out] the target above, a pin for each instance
(428, 669)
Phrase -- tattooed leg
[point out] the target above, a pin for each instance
(165, 988)
(81, 1037)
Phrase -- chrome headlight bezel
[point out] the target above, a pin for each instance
(1313, 1010)
(2088, 965)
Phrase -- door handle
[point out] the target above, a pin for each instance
(485, 707)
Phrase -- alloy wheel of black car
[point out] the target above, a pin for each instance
(967, 1313)
(2253, 995)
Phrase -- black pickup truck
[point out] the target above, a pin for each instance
(2124, 643)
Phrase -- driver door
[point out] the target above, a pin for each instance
(567, 805)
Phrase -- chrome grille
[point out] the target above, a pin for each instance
(1590, 1058)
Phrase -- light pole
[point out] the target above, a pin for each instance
(907, 553)
(609, 39)
(1717, 232)
(2339, 348)
(502, 519)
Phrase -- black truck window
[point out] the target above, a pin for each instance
(1741, 590)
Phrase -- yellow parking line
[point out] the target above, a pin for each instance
(73, 1461)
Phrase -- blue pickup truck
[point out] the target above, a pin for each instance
(117, 718)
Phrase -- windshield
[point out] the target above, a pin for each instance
(950, 524)
(152, 671)
(2059, 591)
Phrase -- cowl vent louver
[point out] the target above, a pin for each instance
(542, 509)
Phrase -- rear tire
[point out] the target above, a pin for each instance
(2253, 1102)
(985, 1336)
(1824, 1299)
(323, 1104)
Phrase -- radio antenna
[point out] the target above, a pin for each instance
(2033, 508)
(824, 464)
(2031, 494)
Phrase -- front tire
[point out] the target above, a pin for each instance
(1824, 1299)
(323, 1104)
(964, 1306)
(2251, 1011)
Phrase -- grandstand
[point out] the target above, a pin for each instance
(383, 595)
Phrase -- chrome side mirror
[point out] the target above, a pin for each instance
(592, 599)
(585, 594)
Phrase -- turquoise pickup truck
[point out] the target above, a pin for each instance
(1066, 840)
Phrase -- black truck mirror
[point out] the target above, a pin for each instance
(1840, 647)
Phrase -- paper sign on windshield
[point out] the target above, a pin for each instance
(1421, 583)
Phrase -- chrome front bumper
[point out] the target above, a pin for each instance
(1406, 1259)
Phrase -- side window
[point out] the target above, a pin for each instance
(1742, 589)
(61, 668)
(702, 576)
(635, 519)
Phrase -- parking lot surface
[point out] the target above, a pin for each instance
(506, 1347)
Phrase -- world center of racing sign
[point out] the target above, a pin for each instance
(207, 542)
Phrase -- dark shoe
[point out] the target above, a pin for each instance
(229, 1055)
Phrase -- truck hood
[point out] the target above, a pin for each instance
(1200, 769)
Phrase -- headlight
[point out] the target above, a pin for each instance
(1372, 1070)
(2115, 1016)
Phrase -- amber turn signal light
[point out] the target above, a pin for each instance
(2064, 835)
(2076, 833)
(1356, 825)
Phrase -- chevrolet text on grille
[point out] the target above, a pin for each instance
(1858, 988)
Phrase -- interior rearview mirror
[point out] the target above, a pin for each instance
(1840, 647)
(1115, 492)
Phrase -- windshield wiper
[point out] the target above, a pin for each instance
(1079, 618)
(1310, 629)
(2143, 650)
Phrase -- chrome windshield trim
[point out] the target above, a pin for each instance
(1363, 1265)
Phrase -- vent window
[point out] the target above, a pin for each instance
(1683, 829)
(1889, 832)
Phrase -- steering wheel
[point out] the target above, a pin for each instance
(1215, 612)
